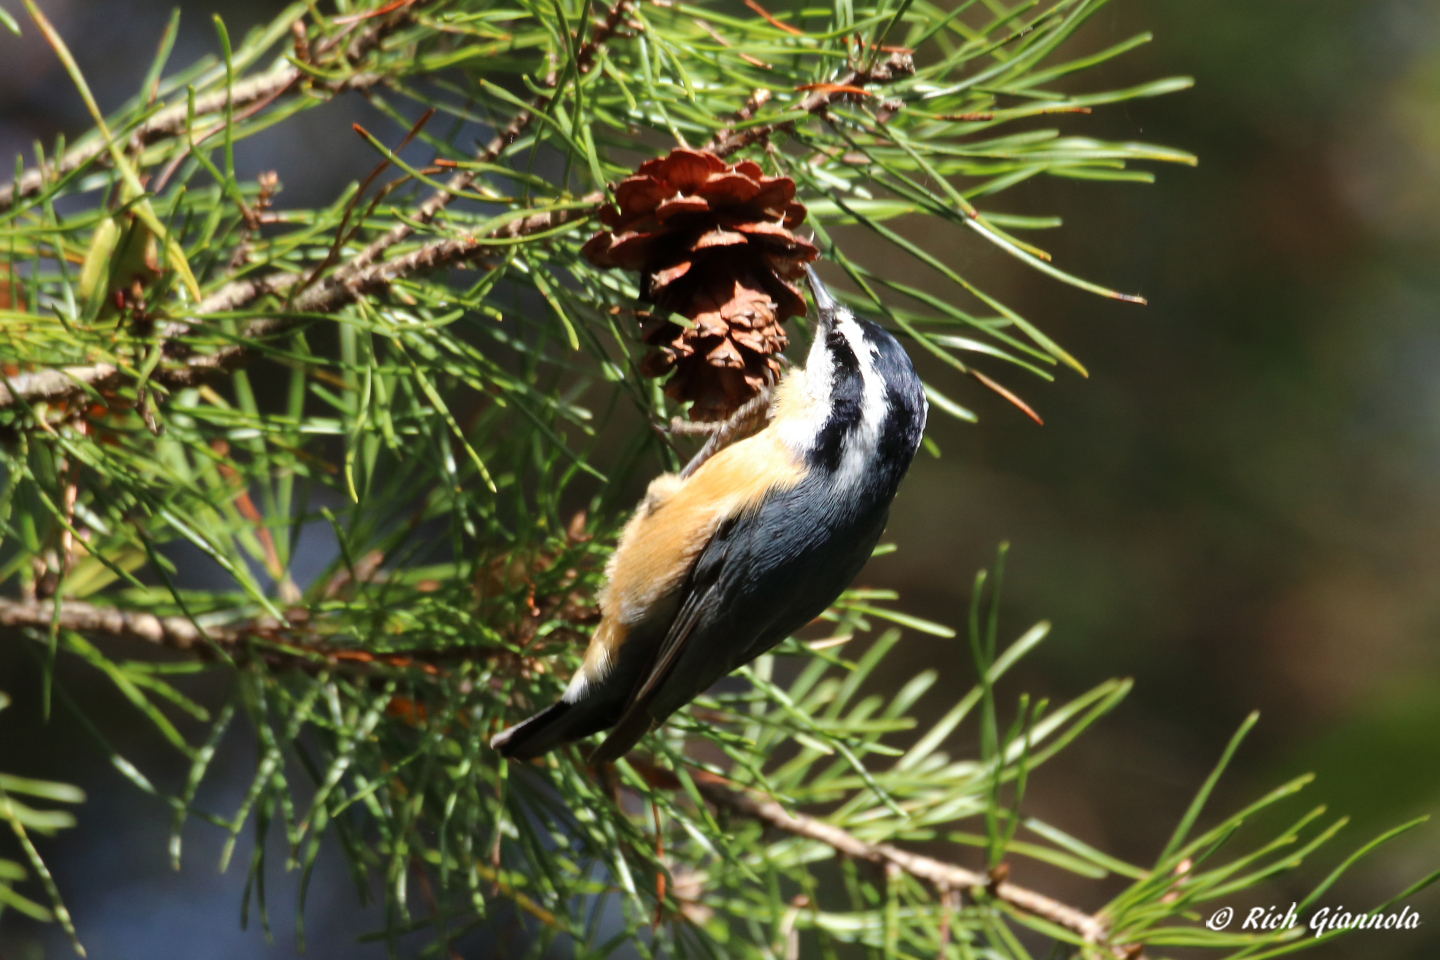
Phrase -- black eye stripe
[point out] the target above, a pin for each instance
(846, 398)
(842, 356)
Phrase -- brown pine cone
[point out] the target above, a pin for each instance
(713, 244)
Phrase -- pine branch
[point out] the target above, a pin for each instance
(285, 643)
(181, 634)
(332, 294)
(177, 633)
(944, 876)
(355, 278)
(358, 276)
(256, 92)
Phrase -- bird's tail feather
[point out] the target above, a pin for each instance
(558, 723)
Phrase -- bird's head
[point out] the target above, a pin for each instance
(858, 406)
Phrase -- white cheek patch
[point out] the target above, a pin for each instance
(800, 422)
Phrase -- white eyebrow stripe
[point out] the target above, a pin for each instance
(864, 438)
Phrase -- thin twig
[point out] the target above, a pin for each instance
(57, 385)
(294, 642)
(725, 142)
(747, 112)
(462, 180)
(341, 236)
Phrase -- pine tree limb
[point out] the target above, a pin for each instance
(172, 121)
(944, 876)
(180, 633)
(177, 633)
(331, 294)
(341, 288)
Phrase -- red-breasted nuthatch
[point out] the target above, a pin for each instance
(717, 567)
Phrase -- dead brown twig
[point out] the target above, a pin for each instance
(463, 179)
(819, 96)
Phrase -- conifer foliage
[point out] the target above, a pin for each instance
(584, 220)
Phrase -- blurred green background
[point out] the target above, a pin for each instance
(1239, 508)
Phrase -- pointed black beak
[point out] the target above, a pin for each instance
(823, 301)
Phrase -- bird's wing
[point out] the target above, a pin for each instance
(764, 574)
(699, 594)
